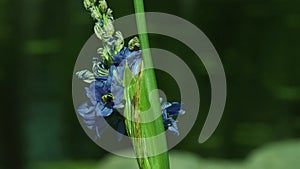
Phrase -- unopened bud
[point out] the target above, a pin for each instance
(102, 6)
(95, 13)
(89, 3)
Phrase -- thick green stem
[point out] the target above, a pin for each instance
(149, 105)
(142, 29)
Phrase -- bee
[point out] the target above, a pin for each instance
(107, 97)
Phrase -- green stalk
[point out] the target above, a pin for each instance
(142, 108)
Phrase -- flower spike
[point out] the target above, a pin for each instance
(107, 79)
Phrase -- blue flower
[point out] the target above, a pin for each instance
(94, 111)
(91, 120)
(170, 112)
(95, 92)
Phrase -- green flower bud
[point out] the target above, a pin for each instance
(109, 27)
(119, 42)
(99, 69)
(103, 53)
(99, 31)
(109, 14)
(89, 3)
(109, 45)
(95, 13)
(86, 76)
(133, 43)
(102, 6)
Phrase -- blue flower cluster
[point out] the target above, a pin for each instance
(106, 95)
(106, 90)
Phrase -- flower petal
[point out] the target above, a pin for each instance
(102, 110)
(84, 109)
(173, 128)
(86, 76)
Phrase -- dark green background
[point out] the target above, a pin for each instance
(258, 42)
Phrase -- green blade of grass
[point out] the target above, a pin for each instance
(140, 107)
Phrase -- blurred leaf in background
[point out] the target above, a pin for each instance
(281, 155)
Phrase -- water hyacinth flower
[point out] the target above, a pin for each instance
(170, 112)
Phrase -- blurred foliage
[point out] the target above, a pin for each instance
(258, 42)
(280, 155)
(65, 165)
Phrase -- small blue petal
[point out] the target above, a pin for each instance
(100, 87)
(90, 124)
(123, 54)
(174, 108)
(165, 105)
(90, 93)
(102, 110)
(173, 130)
(164, 114)
(118, 93)
(134, 62)
(84, 109)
